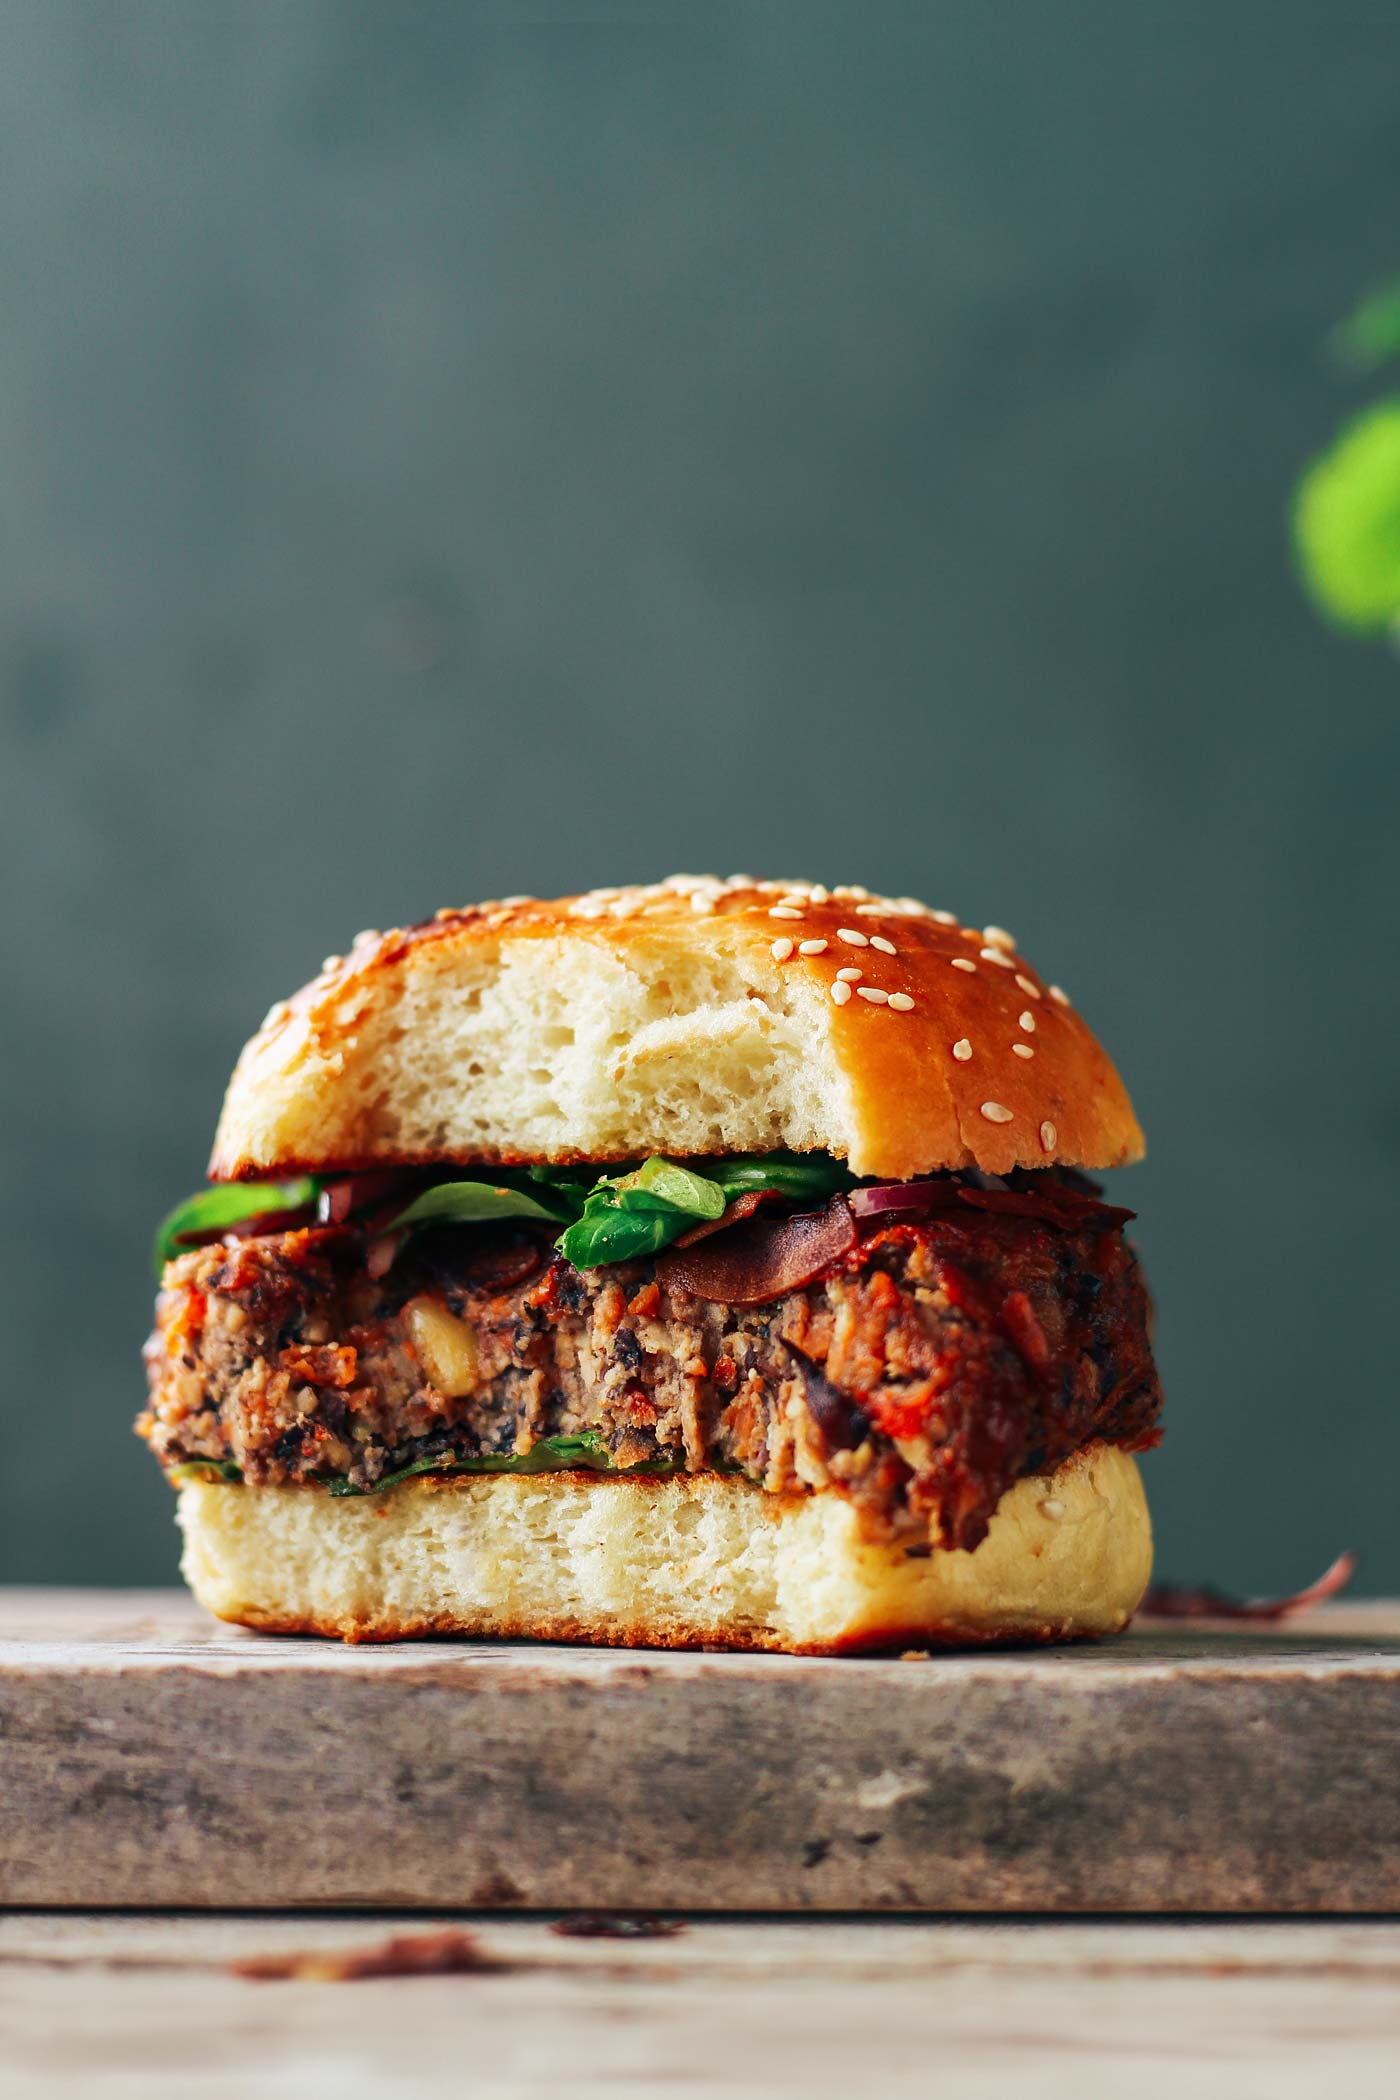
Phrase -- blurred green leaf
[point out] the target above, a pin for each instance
(1369, 336)
(1346, 523)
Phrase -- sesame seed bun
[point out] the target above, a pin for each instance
(688, 1017)
(678, 1563)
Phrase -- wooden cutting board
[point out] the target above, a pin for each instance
(150, 1757)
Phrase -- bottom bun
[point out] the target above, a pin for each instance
(692, 1561)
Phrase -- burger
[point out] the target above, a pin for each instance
(710, 1263)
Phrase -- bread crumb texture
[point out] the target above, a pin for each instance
(685, 1562)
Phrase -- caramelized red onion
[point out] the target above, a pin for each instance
(1167, 1600)
(1052, 1204)
(264, 1221)
(351, 1193)
(758, 1260)
(887, 1196)
(733, 1214)
(1048, 1206)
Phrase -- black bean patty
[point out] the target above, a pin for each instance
(921, 1375)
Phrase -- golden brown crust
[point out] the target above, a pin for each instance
(985, 1065)
(669, 1633)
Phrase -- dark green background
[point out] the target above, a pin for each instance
(447, 453)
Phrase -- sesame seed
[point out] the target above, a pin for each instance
(850, 975)
(1028, 1022)
(782, 949)
(812, 947)
(850, 889)
(877, 940)
(944, 918)
(819, 893)
(1032, 991)
(1052, 1508)
(960, 962)
(840, 992)
(998, 937)
(449, 911)
(901, 1002)
(995, 1113)
(796, 900)
(369, 933)
(869, 911)
(873, 993)
(701, 901)
(521, 897)
(1022, 1050)
(332, 962)
(853, 937)
(1059, 995)
(994, 955)
(784, 911)
(962, 1050)
(1047, 1137)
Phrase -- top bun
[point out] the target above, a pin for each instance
(692, 1016)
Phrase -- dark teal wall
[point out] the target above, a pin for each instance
(443, 456)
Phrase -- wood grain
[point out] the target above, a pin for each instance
(154, 1758)
(123, 2008)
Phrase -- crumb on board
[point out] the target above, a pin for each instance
(616, 1925)
(446, 1953)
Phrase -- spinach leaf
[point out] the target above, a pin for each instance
(228, 1205)
(553, 1454)
(642, 1212)
(805, 1177)
(443, 1462)
(478, 1202)
(639, 1213)
(606, 1233)
(676, 1187)
(568, 1185)
(204, 1469)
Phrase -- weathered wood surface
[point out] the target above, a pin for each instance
(149, 1757)
(149, 2009)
